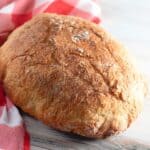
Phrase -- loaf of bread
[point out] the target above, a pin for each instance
(72, 75)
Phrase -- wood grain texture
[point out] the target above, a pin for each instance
(43, 137)
(129, 22)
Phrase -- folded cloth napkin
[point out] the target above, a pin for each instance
(13, 13)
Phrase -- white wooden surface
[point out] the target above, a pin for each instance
(128, 21)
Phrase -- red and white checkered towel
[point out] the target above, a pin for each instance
(14, 13)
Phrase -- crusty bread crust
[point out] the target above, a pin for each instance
(72, 75)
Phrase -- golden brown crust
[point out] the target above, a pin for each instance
(72, 75)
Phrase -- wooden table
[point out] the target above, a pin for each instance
(129, 22)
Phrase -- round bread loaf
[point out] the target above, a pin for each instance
(72, 75)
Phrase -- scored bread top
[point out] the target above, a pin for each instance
(72, 75)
